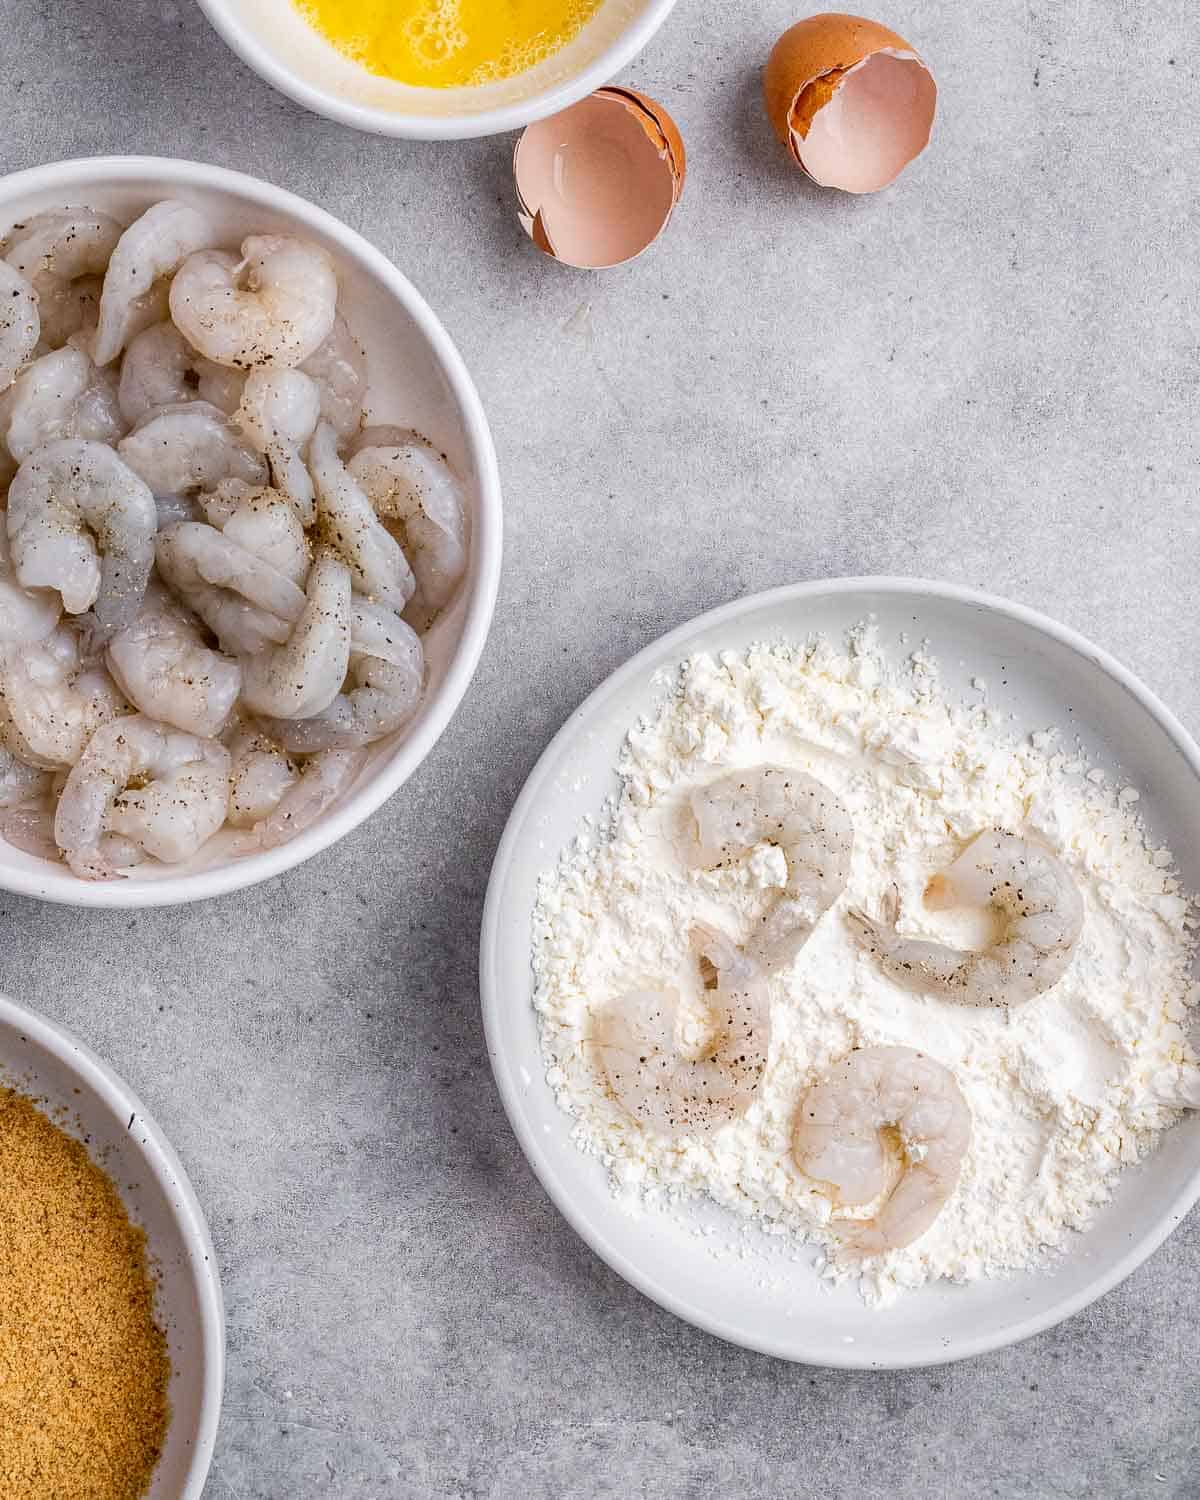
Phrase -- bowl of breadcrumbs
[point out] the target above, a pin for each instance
(112, 1345)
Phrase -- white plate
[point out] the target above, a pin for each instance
(1047, 675)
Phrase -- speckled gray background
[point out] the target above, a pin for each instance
(989, 374)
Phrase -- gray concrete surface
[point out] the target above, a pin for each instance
(989, 375)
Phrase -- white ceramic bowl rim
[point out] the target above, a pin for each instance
(487, 542)
(492, 994)
(420, 127)
(168, 1172)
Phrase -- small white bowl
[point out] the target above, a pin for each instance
(273, 38)
(418, 379)
(1044, 674)
(46, 1062)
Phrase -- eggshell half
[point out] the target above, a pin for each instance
(851, 100)
(597, 183)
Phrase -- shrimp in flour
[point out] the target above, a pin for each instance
(840, 1140)
(795, 813)
(1040, 911)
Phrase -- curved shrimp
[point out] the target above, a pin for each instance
(800, 816)
(62, 395)
(321, 783)
(279, 412)
(260, 775)
(387, 668)
(415, 487)
(1038, 904)
(153, 247)
(339, 367)
(383, 699)
(82, 522)
(191, 446)
(160, 368)
(20, 323)
(243, 600)
(56, 252)
(50, 703)
(273, 309)
(262, 521)
(668, 1089)
(25, 614)
(303, 676)
(165, 791)
(840, 1142)
(350, 526)
(241, 627)
(163, 667)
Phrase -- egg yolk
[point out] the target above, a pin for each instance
(449, 43)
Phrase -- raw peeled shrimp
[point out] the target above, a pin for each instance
(160, 369)
(383, 699)
(350, 526)
(339, 367)
(380, 632)
(56, 252)
(303, 676)
(387, 668)
(240, 626)
(25, 614)
(414, 487)
(799, 815)
(187, 447)
(322, 781)
(154, 246)
(20, 323)
(259, 775)
(273, 309)
(1036, 900)
(82, 522)
(263, 522)
(243, 600)
(62, 395)
(278, 414)
(163, 667)
(165, 791)
(839, 1141)
(50, 705)
(673, 1090)
(279, 406)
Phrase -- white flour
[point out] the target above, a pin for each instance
(1064, 1091)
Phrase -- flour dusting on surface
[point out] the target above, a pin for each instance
(1064, 1091)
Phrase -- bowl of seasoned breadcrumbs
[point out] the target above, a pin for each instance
(112, 1343)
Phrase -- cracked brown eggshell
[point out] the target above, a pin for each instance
(597, 184)
(850, 99)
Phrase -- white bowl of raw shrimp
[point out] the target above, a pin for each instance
(176, 421)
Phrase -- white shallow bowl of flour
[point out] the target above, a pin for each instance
(1044, 674)
(416, 378)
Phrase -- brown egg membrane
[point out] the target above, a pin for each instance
(851, 100)
(597, 184)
